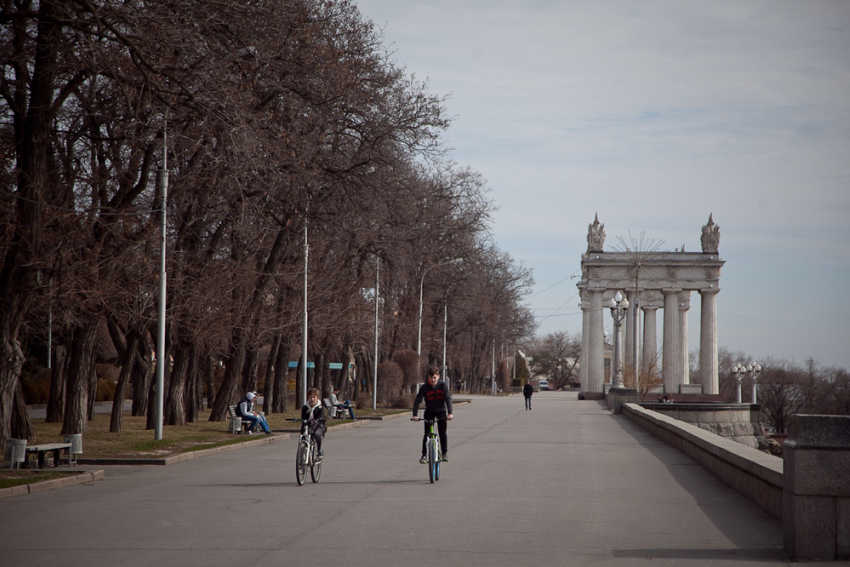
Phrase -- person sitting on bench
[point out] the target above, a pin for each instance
(245, 410)
(341, 405)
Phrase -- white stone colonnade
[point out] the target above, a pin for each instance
(651, 281)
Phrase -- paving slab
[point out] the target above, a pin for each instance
(568, 483)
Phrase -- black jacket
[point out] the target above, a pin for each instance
(527, 390)
(438, 399)
(318, 413)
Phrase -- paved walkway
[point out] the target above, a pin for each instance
(567, 483)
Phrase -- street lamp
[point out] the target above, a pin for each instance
(445, 336)
(421, 285)
(754, 369)
(619, 306)
(738, 371)
(160, 337)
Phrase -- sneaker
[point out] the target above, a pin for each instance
(423, 460)
(445, 459)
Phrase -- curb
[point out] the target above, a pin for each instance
(53, 484)
(189, 455)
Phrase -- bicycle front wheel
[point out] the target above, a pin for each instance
(316, 469)
(301, 463)
(432, 460)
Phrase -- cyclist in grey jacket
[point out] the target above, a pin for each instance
(438, 405)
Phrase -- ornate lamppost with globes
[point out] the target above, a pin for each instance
(754, 370)
(738, 371)
(619, 306)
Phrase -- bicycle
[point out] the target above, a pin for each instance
(308, 453)
(433, 450)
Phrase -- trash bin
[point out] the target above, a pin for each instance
(16, 451)
(76, 441)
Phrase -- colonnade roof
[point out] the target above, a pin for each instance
(657, 271)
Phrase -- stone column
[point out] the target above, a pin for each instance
(631, 331)
(650, 332)
(816, 488)
(684, 307)
(671, 360)
(708, 364)
(595, 343)
(585, 348)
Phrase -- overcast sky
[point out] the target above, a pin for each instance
(655, 114)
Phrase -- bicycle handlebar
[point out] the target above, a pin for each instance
(430, 419)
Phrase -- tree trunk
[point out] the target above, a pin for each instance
(226, 393)
(21, 255)
(209, 378)
(281, 375)
(269, 390)
(21, 427)
(320, 375)
(56, 398)
(142, 376)
(174, 404)
(127, 362)
(194, 396)
(80, 370)
(249, 374)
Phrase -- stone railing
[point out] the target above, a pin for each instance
(738, 422)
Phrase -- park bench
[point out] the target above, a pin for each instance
(40, 451)
(335, 412)
(237, 426)
(329, 409)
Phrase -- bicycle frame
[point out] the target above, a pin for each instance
(307, 454)
(433, 450)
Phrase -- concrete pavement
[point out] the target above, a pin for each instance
(567, 483)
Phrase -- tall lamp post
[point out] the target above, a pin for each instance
(160, 336)
(421, 286)
(619, 307)
(375, 362)
(738, 371)
(754, 369)
(445, 337)
(304, 325)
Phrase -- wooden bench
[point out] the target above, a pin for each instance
(336, 412)
(41, 452)
(242, 426)
(330, 410)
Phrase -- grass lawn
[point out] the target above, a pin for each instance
(136, 442)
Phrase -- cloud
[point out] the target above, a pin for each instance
(655, 114)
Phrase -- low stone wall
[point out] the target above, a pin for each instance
(738, 422)
(756, 475)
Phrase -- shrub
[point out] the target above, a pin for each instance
(390, 380)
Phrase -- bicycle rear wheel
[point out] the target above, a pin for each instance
(316, 469)
(301, 463)
(432, 460)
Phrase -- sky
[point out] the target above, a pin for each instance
(653, 115)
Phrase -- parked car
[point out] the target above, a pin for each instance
(543, 384)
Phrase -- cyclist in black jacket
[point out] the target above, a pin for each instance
(438, 405)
